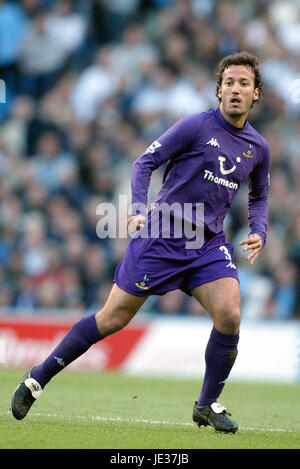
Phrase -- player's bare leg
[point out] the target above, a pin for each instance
(119, 309)
(221, 299)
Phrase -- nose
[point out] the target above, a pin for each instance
(236, 88)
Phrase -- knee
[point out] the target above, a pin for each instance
(110, 322)
(228, 321)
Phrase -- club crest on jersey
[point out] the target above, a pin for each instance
(143, 284)
(153, 146)
(249, 153)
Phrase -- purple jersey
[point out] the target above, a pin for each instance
(207, 161)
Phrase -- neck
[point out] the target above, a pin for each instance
(237, 121)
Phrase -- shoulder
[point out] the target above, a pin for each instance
(193, 123)
(261, 143)
(199, 117)
(259, 138)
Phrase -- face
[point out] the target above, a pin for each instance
(237, 90)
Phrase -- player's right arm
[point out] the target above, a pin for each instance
(135, 223)
(169, 145)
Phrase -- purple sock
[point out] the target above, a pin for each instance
(78, 340)
(220, 355)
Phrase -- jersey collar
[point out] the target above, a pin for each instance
(231, 128)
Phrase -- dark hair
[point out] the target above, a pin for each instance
(240, 58)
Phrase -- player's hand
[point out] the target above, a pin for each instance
(135, 223)
(254, 243)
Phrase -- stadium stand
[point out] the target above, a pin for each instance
(89, 85)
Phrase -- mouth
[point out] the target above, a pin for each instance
(235, 100)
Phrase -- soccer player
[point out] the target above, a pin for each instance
(208, 156)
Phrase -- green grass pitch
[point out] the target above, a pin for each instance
(115, 411)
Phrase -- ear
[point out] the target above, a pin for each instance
(256, 94)
(219, 92)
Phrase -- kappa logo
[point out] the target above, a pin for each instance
(223, 382)
(213, 142)
(60, 362)
(35, 387)
(153, 146)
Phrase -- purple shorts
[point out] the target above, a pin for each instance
(155, 266)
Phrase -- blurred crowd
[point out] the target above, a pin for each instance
(89, 85)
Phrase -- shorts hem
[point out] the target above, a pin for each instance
(127, 290)
(215, 277)
(146, 292)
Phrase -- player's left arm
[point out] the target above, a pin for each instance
(259, 181)
(253, 242)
